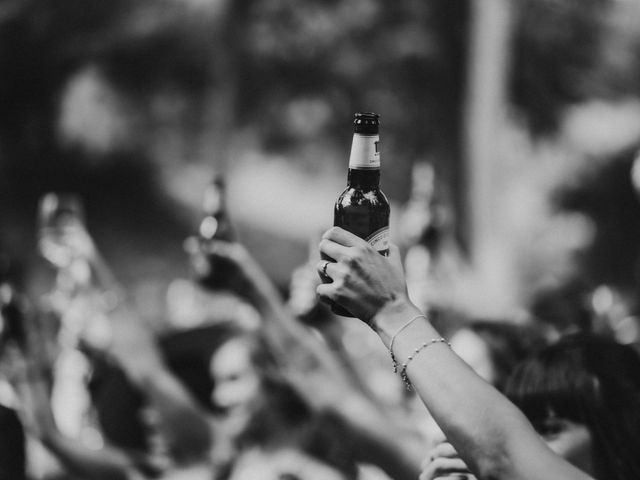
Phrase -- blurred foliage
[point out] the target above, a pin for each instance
(290, 68)
(604, 193)
(556, 53)
(291, 72)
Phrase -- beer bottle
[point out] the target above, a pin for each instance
(362, 208)
(215, 225)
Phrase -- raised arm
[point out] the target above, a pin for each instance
(317, 373)
(26, 371)
(293, 342)
(133, 348)
(492, 436)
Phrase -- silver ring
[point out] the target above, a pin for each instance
(324, 268)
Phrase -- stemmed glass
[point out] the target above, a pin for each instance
(61, 230)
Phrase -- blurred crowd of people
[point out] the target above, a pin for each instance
(277, 387)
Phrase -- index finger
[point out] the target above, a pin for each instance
(444, 449)
(343, 237)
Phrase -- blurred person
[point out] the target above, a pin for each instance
(313, 376)
(491, 435)
(181, 425)
(99, 368)
(582, 394)
(252, 400)
(253, 410)
(26, 369)
(256, 409)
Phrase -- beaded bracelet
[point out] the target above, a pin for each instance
(393, 338)
(403, 372)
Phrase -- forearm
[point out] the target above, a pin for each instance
(291, 339)
(381, 443)
(491, 434)
(181, 420)
(105, 278)
(103, 464)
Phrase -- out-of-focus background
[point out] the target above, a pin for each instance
(528, 110)
(510, 133)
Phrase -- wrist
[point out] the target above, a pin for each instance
(392, 316)
(47, 431)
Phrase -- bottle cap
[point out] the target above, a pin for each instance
(366, 123)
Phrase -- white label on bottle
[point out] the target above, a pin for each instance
(365, 152)
(379, 239)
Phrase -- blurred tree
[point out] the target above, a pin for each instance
(605, 193)
(43, 45)
(567, 53)
(290, 72)
(557, 52)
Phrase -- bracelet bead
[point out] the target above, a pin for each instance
(416, 351)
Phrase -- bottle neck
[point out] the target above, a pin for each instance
(364, 161)
(369, 178)
(365, 151)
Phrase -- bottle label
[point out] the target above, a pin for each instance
(379, 239)
(365, 151)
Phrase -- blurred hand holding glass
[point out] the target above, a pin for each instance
(63, 240)
(84, 289)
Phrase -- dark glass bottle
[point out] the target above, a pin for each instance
(215, 225)
(362, 208)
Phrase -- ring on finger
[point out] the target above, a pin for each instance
(324, 268)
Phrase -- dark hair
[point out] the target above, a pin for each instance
(591, 380)
(508, 344)
(563, 308)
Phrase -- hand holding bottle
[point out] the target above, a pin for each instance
(241, 272)
(364, 282)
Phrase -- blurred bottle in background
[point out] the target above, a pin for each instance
(434, 266)
(419, 232)
(418, 220)
(215, 225)
(216, 222)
